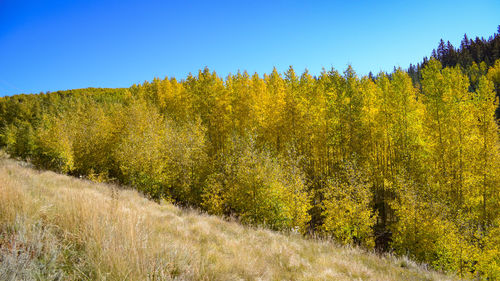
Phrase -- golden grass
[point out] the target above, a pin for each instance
(57, 227)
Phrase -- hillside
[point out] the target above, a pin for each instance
(474, 57)
(370, 162)
(54, 226)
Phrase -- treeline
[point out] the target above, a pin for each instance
(470, 52)
(375, 162)
(474, 56)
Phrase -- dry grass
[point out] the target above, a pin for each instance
(54, 227)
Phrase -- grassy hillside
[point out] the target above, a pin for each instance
(58, 227)
(367, 161)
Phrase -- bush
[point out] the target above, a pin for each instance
(54, 146)
(161, 158)
(348, 216)
(258, 189)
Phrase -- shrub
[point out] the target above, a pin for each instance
(258, 189)
(348, 216)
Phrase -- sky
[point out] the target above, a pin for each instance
(59, 45)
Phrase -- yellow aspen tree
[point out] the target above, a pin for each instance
(274, 129)
(242, 101)
(488, 153)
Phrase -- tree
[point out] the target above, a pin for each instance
(348, 215)
(258, 190)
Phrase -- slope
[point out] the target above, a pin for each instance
(58, 227)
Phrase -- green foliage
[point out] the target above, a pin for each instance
(19, 139)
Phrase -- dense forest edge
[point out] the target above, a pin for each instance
(406, 162)
(57, 227)
(473, 56)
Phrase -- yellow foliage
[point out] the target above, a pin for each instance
(348, 216)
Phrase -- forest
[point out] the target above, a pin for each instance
(386, 162)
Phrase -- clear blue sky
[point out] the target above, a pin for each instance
(57, 45)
